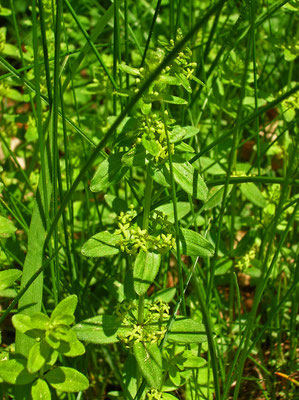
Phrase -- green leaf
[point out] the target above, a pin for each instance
(188, 178)
(184, 81)
(64, 320)
(192, 361)
(124, 92)
(186, 330)
(168, 396)
(184, 148)
(170, 80)
(8, 277)
(129, 70)
(52, 340)
(40, 390)
(135, 157)
(72, 348)
(160, 175)
(53, 358)
(14, 372)
(9, 293)
(66, 307)
(179, 133)
(129, 375)
(109, 172)
(253, 194)
(7, 228)
(194, 244)
(145, 108)
(61, 332)
(101, 245)
(215, 197)
(149, 360)
(5, 12)
(174, 375)
(183, 209)
(223, 266)
(33, 326)
(39, 353)
(21, 322)
(40, 321)
(151, 146)
(167, 98)
(165, 295)
(146, 268)
(101, 329)
(115, 203)
(67, 380)
(210, 166)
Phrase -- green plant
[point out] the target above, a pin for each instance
(53, 337)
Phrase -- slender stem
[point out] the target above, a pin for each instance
(147, 199)
(145, 222)
(175, 212)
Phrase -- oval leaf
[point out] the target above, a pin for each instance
(194, 244)
(15, 372)
(40, 390)
(109, 172)
(179, 133)
(101, 329)
(7, 227)
(146, 268)
(253, 194)
(67, 380)
(183, 208)
(39, 353)
(67, 306)
(215, 197)
(101, 245)
(22, 322)
(186, 330)
(189, 179)
(149, 360)
(8, 277)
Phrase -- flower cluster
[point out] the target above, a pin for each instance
(274, 192)
(153, 137)
(246, 261)
(151, 330)
(154, 394)
(182, 63)
(134, 238)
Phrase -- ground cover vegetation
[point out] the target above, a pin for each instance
(149, 199)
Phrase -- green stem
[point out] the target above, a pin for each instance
(145, 221)
(147, 199)
(175, 212)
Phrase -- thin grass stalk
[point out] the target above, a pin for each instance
(148, 40)
(98, 29)
(90, 42)
(209, 331)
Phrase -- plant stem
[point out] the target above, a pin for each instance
(145, 221)
(147, 199)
